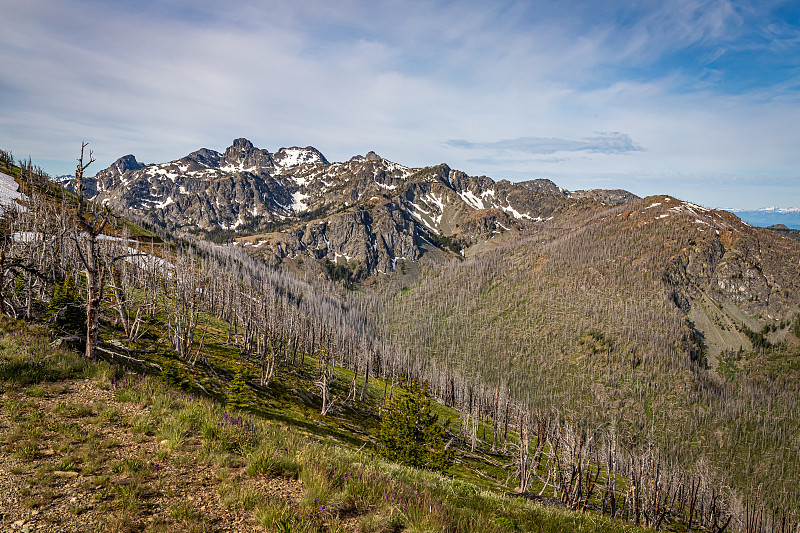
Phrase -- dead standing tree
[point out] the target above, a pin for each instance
(96, 263)
(88, 252)
(183, 290)
(326, 374)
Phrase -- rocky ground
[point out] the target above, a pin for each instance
(75, 459)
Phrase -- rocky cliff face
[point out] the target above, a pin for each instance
(724, 274)
(370, 238)
(730, 261)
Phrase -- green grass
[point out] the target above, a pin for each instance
(330, 459)
(74, 410)
(185, 511)
(137, 231)
(238, 496)
(343, 480)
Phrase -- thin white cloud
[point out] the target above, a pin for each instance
(160, 79)
(604, 143)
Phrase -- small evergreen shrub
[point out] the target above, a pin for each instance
(410, 432)
(66, 309)
(237, 394)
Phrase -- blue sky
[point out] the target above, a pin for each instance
(698, 99)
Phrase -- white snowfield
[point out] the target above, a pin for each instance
(298, 205)
(139, 258)
(297, 156)
(9, 192)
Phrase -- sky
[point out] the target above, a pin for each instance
(697, 99)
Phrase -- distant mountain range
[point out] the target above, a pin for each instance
(768, 216)
(367, 212)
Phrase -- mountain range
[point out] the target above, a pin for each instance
(368, 211)
(367, 215)
(769, 216)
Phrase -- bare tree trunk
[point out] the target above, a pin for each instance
(88, 252)
(2, 282)
(366, 382)
(326, 374)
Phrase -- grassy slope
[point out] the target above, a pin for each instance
(408, 499)
(102, 446)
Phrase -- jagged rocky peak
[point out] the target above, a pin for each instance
(543, 186)
(122, 165)
(371, 156)
(126, 163)
(295, 156)
(439, 172)
(202, 158)
(243, 156)
(107, 178)
(240, 146)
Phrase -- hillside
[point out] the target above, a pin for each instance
(568, 350)
(655, 319)
(155, 437)
(86, 447)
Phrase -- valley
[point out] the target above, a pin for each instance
(630, 357)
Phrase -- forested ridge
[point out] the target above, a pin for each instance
(567, 353)
(583, 327)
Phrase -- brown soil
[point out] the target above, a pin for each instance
(76, 479)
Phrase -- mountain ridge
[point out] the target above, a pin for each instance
(246, 191)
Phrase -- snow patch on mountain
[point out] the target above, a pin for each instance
(399, 169)
(165, 203)
(516, 214)
(233, 226)
(297, 202)
(292, 157)
(471, 200)
(170, 175)
(437, 201)
(237, 168)
(423, 218)
(696, 207)
(9, 192)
